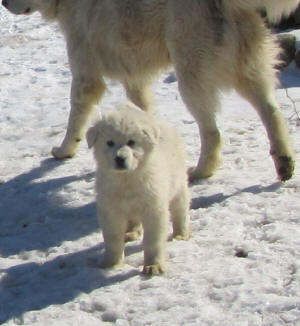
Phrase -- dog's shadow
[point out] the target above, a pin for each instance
(32, 286)
(207, 201)
(35, 217)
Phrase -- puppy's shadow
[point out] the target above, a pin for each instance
(34, 216)
(31, 286)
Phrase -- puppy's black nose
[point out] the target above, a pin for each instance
(5, 3)
(120, 162)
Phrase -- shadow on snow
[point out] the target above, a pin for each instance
(207, 201)
(29, 207)
(33, 286)
(33, 215)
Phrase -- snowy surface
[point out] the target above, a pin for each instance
(242, 265)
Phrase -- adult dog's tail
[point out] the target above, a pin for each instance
(275, 9)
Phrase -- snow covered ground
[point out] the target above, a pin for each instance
(240, 268)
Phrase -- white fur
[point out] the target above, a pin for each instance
(149, 188)
(213, 45)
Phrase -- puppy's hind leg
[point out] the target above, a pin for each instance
(85, 93)
(134, 231)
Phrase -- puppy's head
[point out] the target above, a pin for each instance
(26, 7)
(123, 139)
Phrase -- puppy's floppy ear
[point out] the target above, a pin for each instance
(152, 133)
(91, 135)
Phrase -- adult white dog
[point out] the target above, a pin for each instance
(141, 178)
(213, 45)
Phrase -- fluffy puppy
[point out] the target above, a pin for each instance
(141, 179)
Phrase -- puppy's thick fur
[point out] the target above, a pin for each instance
(141, 178)
(213, 45)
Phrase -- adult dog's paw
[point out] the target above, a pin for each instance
(285, 166)
(151, 270)
(181, 237)
(194, 174)
(60, 153)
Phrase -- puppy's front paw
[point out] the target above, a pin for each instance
(179, 236)
(151, 270)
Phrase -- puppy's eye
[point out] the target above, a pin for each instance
(110, 143)
(131, 143)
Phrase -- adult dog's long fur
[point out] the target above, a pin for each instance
(213, 45)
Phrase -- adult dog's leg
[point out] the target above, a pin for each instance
(255, 81)
(202, 104)
(85, 93)
(259, 94)
(140, 94)
(210, 155)
(196, 72)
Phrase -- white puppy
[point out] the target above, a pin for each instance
(141, 178)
